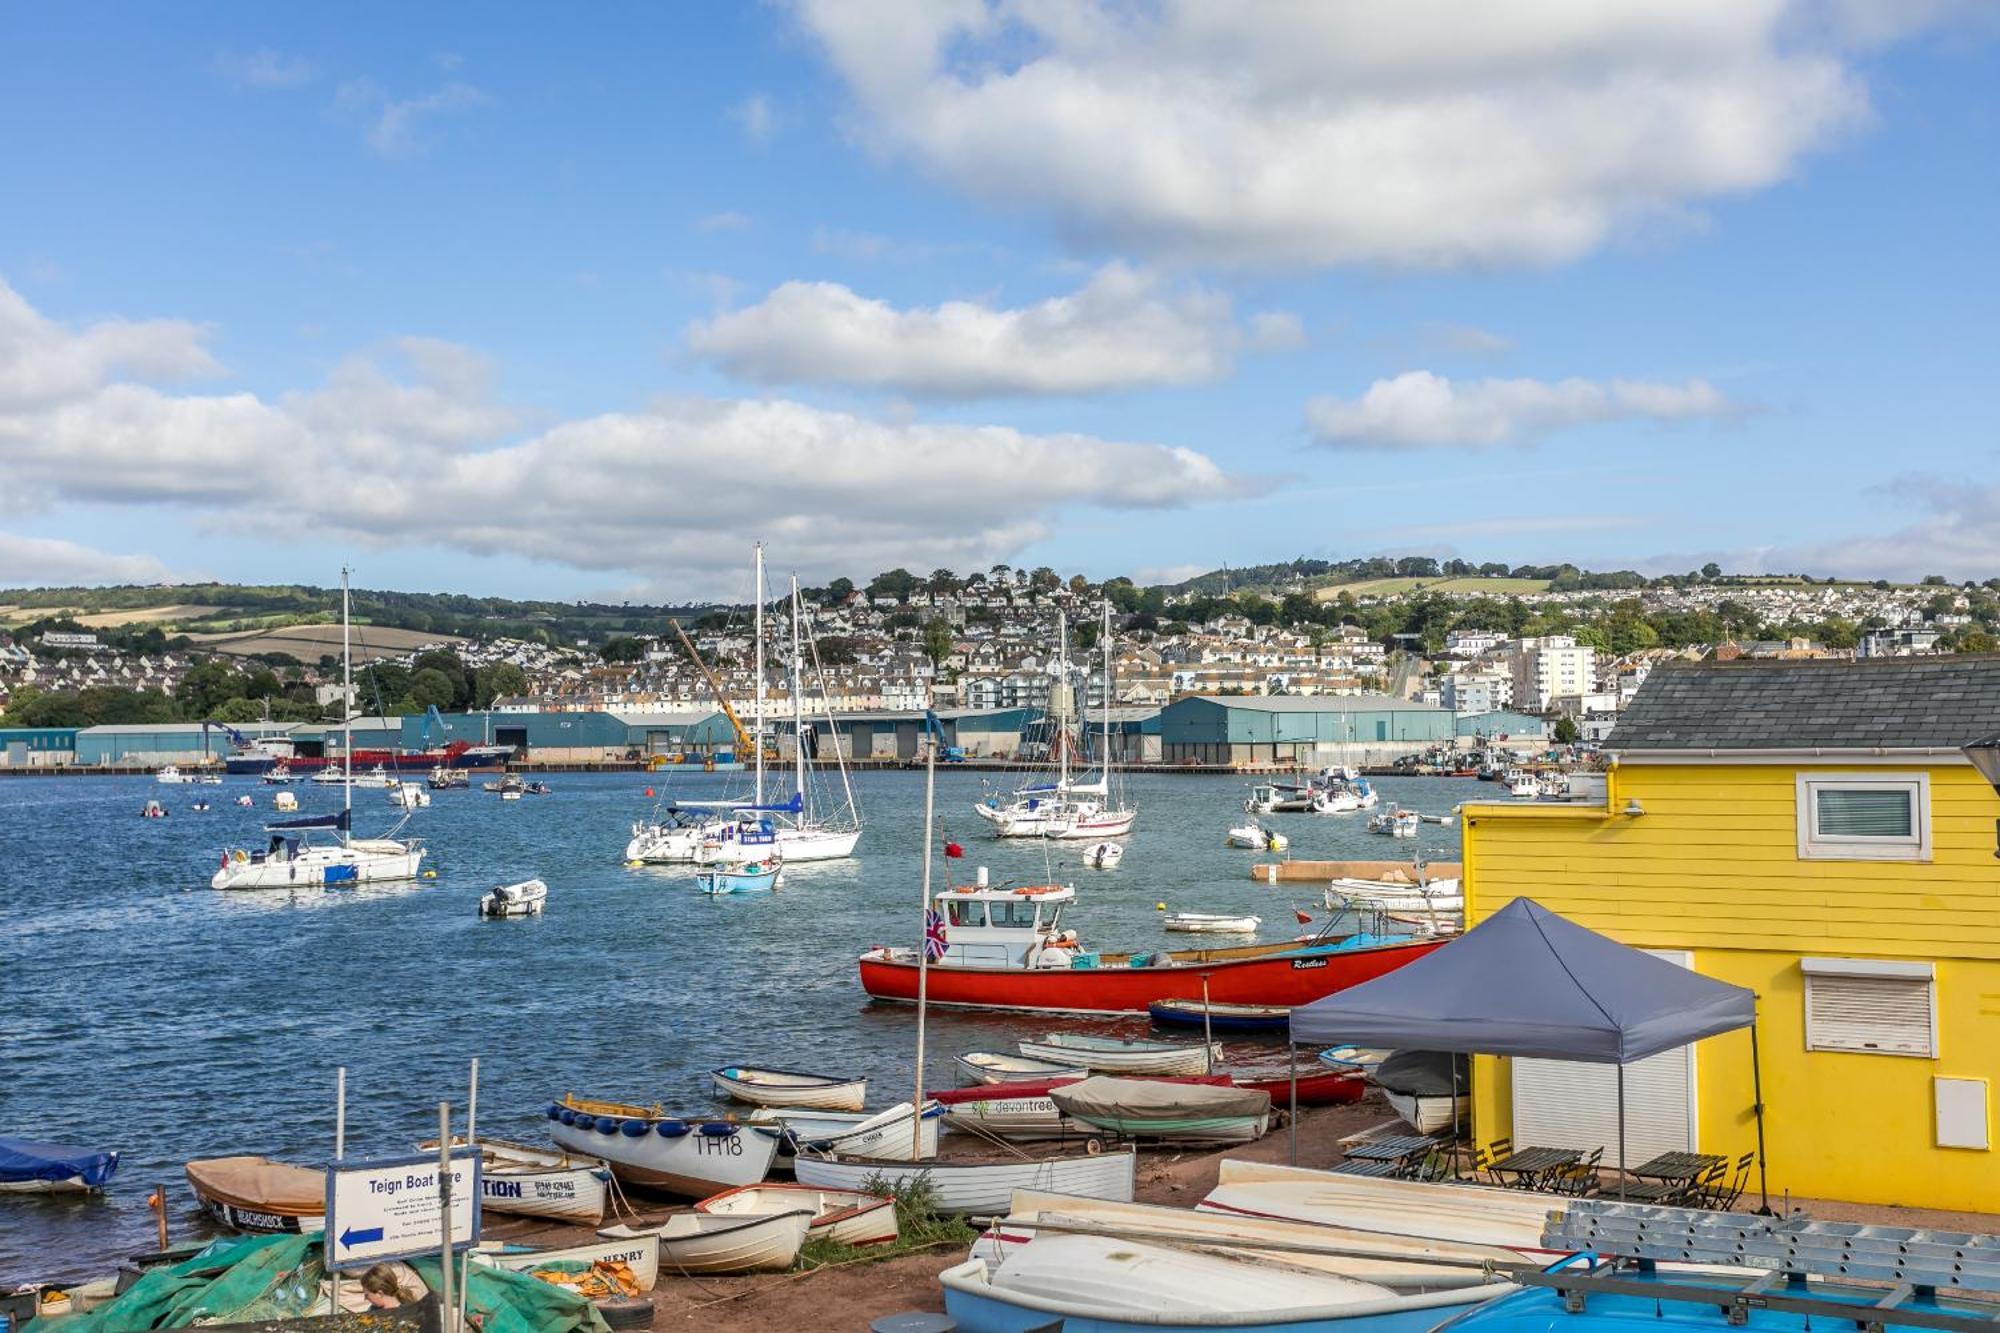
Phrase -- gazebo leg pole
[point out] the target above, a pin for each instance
(1621, 1131)
(1757, 1106)
(1292, 1120)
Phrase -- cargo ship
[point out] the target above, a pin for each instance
(256, 758)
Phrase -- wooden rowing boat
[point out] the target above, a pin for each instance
(640, 1253)
(785, 1087)
(876, 1134)
(1220, 1017)
(711, 1243)
(538, 1182)
(1112, 1055)
(847, 1217)
(258, 1194)
(980, 1187)
(645, 1146)
(975, 1067)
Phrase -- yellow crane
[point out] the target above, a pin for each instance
(743, 742)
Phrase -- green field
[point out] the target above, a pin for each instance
(1458, 587)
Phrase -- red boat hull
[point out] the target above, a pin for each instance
(1289, 980)
(1317, 1087)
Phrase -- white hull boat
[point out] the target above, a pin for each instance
(1018, 1117)
(1356, 904)
(643, 1147)
(981, 1187)
(785, 1087)
(524, 899)
(1428, 1114)
(879, 1134)
(1445, 1214)
(1003, 1067)
(1106, 1285)
(668, 844)
(846, 1217)
(1256, 837)
(798, 845)
(1206, 923)
(538, 1182)
(1108, 1055)
(362, 861)
(710, 1243)
(1104, 856)
(258, 1194)
(639, 1252)
(409, 796)
(1062, 820)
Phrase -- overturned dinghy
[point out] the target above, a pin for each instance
(1185, 1113)
(526, 898)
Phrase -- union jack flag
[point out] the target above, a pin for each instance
(935, 943)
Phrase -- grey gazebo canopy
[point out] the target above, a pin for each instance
(1528, 982)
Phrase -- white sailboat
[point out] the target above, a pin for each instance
(292, 860)
(809, 835)
(1066, 808)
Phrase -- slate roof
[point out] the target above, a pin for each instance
(1896, 703)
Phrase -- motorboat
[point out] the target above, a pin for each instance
(279, 774)
(648, 1147)
(258, 1194)
(285, 803)
(786, 1087)
(170, 775)
(846, 1217)
(1262, 800)
(1159, 1112)
(754, 865)
(443, 778)
(1211, 923)
(1256, 837)
(527, 1181)
(1116, 1055)
(1396, 823)
(692, 1243)
(409, 796)
(152, 810)
(1103, 855)
(31, 1166)
(526, 898)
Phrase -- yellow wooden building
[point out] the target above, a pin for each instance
(1812, 830)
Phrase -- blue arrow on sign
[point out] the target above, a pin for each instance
(351, 1238)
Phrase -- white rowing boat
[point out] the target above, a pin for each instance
(1017, 1112)
(647, 1147)
(975, 1067)
(710, 1243)
(847, 1217)
(875, 1134)
(1210, 923)
(1461, 1214)
(785, 1087)
(640, 1253)
(1111, 1055)
(980, 1187)
(538, 1182)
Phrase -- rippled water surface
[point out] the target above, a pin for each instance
(143, 1012)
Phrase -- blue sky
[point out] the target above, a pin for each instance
(517, 301)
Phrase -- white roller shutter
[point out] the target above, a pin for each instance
(1571, 1104)
(1870, 1006)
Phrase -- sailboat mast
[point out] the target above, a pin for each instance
(1062, 717)
(1104, 646)
(798, 706)
(757, 681)
(924, 949)
(347, 716)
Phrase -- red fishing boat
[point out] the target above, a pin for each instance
(1005, 948)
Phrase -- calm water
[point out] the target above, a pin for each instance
(141, 1011)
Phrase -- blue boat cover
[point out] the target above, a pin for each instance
(1530, 983)
(23, 1160)
(337, 821)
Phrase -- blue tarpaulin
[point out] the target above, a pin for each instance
(25, 1160)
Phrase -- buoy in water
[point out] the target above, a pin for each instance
(1160, 906)
(649, 791)
(430, 874)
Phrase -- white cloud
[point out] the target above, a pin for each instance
(1957, 535)
(1467, 340)
(757, 119)
(1124, 328)
(1426, 133)
(50, 562)
(42, 361)
(263, 69)
(411, 445)
(395, 124)
(1420, 410)
(728, 220)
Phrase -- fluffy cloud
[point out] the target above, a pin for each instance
(1957, 535)
(50, 562)
(1406, 132)
(1122, 329)
(1419, 410)
(411, 445)
(42, 361)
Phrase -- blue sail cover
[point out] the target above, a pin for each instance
(336, 821)
(24, 1161)
(792, 807)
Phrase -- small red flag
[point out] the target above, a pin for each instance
(1304, 920)
(953, 851)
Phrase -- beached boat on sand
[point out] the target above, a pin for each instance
(976, 1067)
(1111, 1055)
(258, 1194)
(1462, 1214)
(980, 1187)
(1312, 1084)
(873, 1134)
(710, 1243)
(537, 1182)
(1018, 1112)
(640, 1254)
(1184, 1113)
(30, 1166)
(647, 1147)
(786, 1087)
(846, 1217)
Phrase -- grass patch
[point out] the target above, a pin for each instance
(918, 1227)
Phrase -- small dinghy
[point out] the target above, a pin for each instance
(1257, 838)
(639, 1253)
(285, 801)
(1220, 1017)
(1018, 1112)
(1179, 1113)
(847, 1217)
(153, 810)
(409, 795)
(258, 1194)
(244, 800)
(1211, 923)
(725, 1243)
(981, 1187)
(1103, 855)
(1316, 1086)
(537, 1182)
(976, 1067)
(1110, 1055)
(524, 899)
(646, 1146)
(874, 1134)
(30, 1166)
(785, 1087)
(1430, 1090)
(741, 877)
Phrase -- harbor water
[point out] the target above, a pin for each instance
(143, 1012)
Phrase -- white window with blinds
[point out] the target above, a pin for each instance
(1871, 1006)
(1864, 816)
